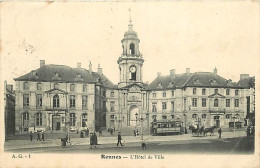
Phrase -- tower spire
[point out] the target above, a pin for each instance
(130, 26)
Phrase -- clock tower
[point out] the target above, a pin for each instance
(131, 61)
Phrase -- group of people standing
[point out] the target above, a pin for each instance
(136, 133)
(40, 136)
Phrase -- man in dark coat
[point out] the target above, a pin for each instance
(38, 136)
(119, 138)
(95, 140)
(31, 135)
(91, 140)
(43, 135)
(219, 132)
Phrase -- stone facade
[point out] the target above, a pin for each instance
(58, 98)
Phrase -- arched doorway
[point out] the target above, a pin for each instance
(132, 115)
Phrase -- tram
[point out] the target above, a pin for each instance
(167, 127)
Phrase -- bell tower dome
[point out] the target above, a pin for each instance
(131, 61)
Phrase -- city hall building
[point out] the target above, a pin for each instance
(56, 98)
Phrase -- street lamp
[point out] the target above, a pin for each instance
(136, 115)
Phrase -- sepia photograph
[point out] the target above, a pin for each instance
(129, 84)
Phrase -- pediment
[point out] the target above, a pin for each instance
(216, 95)
(56, 91)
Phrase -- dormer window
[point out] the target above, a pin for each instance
(170, 84)
(196, 81)
(78, 76)
(56, 76)
(213, 81)
(159, 85)
(34, 75)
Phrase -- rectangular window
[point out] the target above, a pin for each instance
(227, 102)
(228, 116)
(172, 92)
(39, 86)
(38, 101)
(204, 102)
(236, 102)
(194, 102)
(72, 119)
(25, 117)
(164, 94)
(72, 101)
(164, 107)
(26, 100)
(84, 102)
(194, 91)
(203, 91)
(172, 104)
(72, 87)
(85, 88)
(154, 108)
(227, 91)
(236, 92)
(164, 117)
(216, 91)
(26, 86)
(112, 94)
(216, 103)
(38, 119)
(154, 95)
(112, 106)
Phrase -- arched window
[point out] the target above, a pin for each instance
(38, 117)
(132, 49)
(72, 119)
(216, 103)
(194, 116)
(84, 120)
(56, 101)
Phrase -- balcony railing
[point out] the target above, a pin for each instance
(217, 110)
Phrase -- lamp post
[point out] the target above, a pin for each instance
(136, 116)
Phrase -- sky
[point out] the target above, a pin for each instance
(173, 35)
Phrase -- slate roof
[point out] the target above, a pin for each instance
(247, 82)
(197, 79)
(64, 73)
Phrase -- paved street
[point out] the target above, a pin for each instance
(230, 143)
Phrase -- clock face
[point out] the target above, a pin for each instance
(132, 69)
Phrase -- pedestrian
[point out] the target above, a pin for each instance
(137, 132)
(119, 138)
(219, 132)
(91, 140)
(95, 141)
(134, 133)
(111, 131)
(31, 135)
(43, 136)
(87, 132)
(38, 136)
(248, 131)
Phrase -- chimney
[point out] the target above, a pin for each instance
(42, 63)
(158, 74)
(187, 71)
(215, 71)
(244, 76)
(78, 65)
(90, 67)
(99, 70)
(172, 73)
